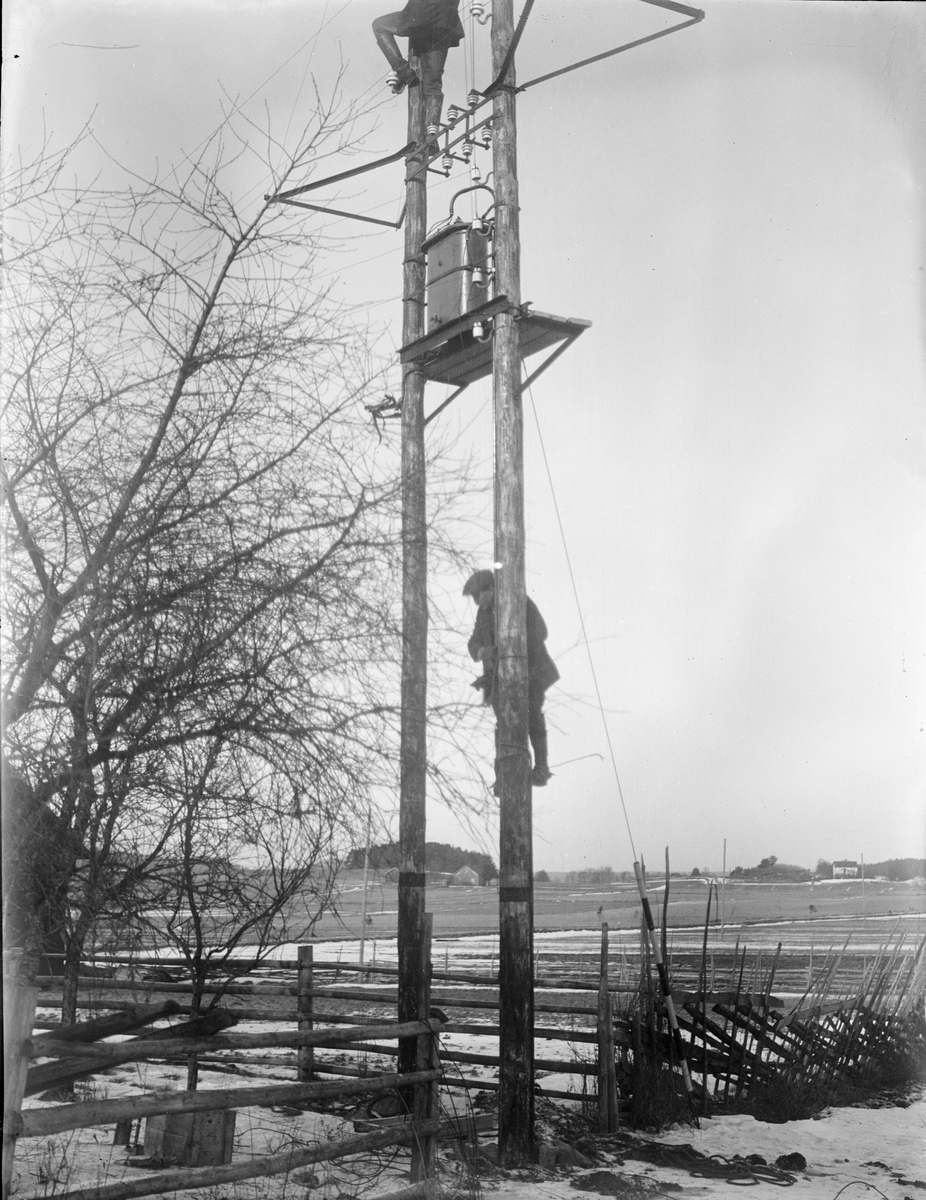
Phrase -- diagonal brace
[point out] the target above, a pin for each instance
(337, 212)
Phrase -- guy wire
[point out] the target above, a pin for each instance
(588, 649)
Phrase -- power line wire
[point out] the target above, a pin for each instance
(575, 592)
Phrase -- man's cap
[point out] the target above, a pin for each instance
(478, 582)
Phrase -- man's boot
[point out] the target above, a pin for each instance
(541, 772)
(403, 76)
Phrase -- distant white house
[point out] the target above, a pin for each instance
(845, 869)
(465, 877)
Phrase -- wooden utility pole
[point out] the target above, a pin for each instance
(516, 904)
(413, 736)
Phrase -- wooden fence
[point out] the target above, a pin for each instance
(738, 1041)
(76, 1051)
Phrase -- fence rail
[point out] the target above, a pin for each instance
(738, 1041)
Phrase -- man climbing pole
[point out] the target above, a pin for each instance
(541, 669)
(432, 27)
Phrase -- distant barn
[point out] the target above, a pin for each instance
(844, 869)
(465, 877)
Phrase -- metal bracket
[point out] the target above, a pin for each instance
(337, 212)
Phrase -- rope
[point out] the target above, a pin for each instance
(470, 81)
(684, 1157)
(588, 649)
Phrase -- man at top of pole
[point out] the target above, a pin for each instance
(541, 669)
(432, 27)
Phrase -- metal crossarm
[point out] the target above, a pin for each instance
(694, 14)
(311, 187)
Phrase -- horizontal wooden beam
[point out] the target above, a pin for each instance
(41, 1122)
(560, 1066)
(124, 1021)
(416, 350)
(165, 1182)
(139, 1050)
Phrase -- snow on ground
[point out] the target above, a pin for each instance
(848, 1151)
(851, 1151)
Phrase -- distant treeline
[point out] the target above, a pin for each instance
(588, 877)
(897, 868)
(438, 856)
(771, 869)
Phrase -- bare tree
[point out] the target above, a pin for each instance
(242, 867)
(201, 553)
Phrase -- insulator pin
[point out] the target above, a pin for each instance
(454, 112)
(446, 161)
(473, 98)
(485, 136)
(477, 10)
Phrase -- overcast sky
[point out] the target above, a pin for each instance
(736, 445)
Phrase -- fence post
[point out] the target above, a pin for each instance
(306, 1056)
(607, 1075)
(18, 1017)
(638, 1085)
(424, 1149)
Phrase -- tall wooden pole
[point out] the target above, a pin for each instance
(516, 982)
(413, 736)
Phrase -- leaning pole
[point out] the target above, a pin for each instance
(516, 905)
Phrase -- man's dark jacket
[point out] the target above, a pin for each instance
(432, 25)
(541, 669)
